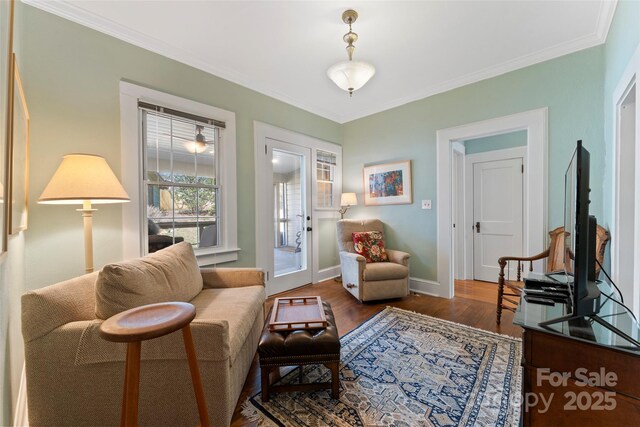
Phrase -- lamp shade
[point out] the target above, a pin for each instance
(83, 177)
(351, 75)
(348, 199)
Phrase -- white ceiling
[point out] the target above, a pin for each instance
(283, 48)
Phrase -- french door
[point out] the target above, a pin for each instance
(286, 226)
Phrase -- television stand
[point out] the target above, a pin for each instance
(561, 351)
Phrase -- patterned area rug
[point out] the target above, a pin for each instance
(401, 368)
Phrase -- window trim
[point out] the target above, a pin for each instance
(133, 215)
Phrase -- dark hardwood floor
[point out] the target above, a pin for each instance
(474, 305)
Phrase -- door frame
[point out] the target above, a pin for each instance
(488, 156)
(262, 131)
(629, 77)
(458, 151)
(536, 177)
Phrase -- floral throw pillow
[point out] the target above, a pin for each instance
(370, 245)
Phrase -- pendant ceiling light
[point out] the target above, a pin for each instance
(199, 144)
(350, 75)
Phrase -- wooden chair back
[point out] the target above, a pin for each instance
(556, 248)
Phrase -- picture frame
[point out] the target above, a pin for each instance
(6, 104)
(19, 155)
(387, 184)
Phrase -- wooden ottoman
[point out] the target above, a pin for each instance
(298, 348)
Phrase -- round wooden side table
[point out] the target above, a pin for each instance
(145, 323)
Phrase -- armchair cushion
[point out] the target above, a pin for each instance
(171, 274)
(370, 244)
(385, 271)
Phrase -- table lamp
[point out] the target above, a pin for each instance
(84, 179)
(346, 201)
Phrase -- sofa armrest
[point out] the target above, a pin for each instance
(231, 277)
(48, 308)
(398, 257)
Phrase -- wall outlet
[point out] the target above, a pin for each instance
(426, 204)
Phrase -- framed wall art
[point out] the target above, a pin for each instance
(6, 103)
(19, 156)
(387, 184)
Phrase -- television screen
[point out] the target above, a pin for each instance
(570, 194)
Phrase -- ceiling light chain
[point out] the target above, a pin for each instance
(350, 75)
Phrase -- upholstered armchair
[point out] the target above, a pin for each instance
(368, 281)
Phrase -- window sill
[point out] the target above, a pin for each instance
(209, 257)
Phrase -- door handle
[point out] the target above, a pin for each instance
(478, 227)
(309, 228)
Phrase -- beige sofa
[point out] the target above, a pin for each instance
(76, 378)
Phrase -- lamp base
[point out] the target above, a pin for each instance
(87, 216)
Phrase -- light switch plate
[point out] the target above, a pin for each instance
(426, 204)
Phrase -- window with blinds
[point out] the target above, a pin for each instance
(325, 177)
(181, 183)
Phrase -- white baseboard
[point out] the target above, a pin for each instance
(21, 418)
(328, 273)
(427, 287)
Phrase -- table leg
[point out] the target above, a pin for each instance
(335, 379)
(132, 385)
(264, 380)
(195, 376)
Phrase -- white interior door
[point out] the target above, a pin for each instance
(288, 179)
(497, 213)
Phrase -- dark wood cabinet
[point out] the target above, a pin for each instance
(555, 370)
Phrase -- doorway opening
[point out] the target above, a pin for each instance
(534, 182)
(490, 190)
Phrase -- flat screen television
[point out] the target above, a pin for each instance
(579, 239)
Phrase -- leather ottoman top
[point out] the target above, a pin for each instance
(303, 344)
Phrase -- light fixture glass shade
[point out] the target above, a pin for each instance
(83, 177)
(351, 75)
(348, 199)
(195, 147)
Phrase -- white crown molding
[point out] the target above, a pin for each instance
(607, 10)
(106, 26)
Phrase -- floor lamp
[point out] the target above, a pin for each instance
(84, 179)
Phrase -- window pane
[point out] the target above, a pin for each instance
(207, 218)
(157, 134)
(325, 171)
(180, 181)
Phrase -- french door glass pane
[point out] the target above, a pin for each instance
(289, 213)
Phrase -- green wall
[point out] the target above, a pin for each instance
(570, 86)
(72, 75)
(328, 248)
(623, 40)
(496, 142)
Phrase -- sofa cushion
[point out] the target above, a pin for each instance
(223, 322)
(238, 306)
(370, 244)
(385, 271)
(171, 274)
